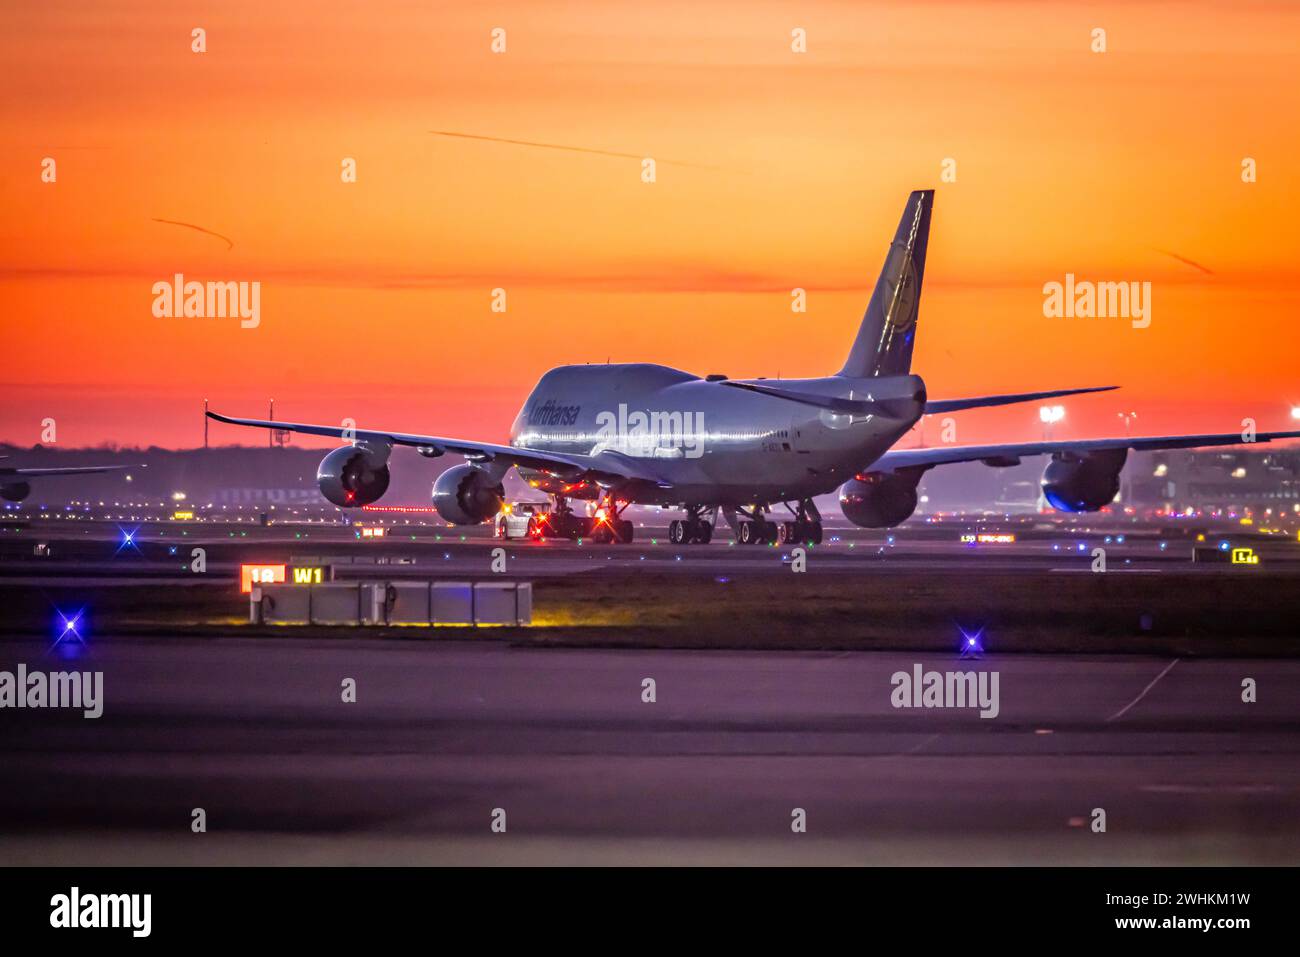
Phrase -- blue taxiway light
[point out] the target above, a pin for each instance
(972, 644)
(68, 628)
(128, 539)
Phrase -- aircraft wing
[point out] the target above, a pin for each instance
(608, 466)
(1010, 454)
(65, 470)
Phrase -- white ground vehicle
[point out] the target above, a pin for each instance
(518, 519)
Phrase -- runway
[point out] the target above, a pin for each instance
(162, 552)
(442, 733)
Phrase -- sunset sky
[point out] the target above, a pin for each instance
(775, 170)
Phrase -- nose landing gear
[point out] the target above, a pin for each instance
(608, 525)
(605, 526)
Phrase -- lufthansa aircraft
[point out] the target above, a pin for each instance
(649, 434)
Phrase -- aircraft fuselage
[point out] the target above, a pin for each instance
(709, 442)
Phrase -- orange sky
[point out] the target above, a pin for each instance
(791, 170)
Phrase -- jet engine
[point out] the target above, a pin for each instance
(354, 475)
(1083, 481)
(467, 495)
(15, 491)
(880, 499)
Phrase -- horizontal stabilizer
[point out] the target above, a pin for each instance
(895, 409)
(935, 406)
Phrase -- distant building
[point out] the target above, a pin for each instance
(1255, 479)
(1208, 480)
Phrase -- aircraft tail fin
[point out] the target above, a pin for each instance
(888, 331)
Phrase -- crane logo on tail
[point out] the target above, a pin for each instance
(901, 273)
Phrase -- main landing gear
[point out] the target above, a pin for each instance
(696, 528)
(757, 527)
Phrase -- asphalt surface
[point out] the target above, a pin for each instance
(254, 731)
(163, 554)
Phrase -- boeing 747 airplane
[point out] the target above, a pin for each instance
(638, 433)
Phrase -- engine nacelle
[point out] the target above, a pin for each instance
(1083, 481)
(15, 491)
(466, 495)
(354, 475)
(880, 499)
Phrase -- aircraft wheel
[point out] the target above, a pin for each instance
(815, 532)
(676, 531)
(748, 533)
(626, 531)
(703, 533)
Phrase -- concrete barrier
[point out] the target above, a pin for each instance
(452, 603)
(281, 604)
(407, 603)
(339, 604)
(503, 603)
(393, 603)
